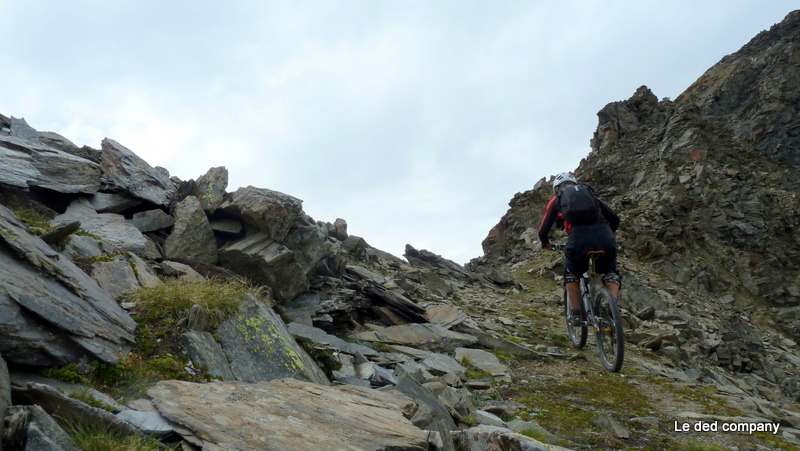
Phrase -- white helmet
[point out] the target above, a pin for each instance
(561, 178)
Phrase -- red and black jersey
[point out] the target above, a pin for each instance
(553, 215)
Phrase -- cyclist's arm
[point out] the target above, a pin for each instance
(547, 221)
(611, 217)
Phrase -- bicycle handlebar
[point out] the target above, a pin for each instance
(559, 246)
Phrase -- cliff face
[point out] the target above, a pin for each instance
(706, 185)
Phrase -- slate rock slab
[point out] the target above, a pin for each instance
(270, 211)
(485, 438)
(51, 312)
(131, 174)
(484, 361)
(426, 336)
(312, 334)
(192, 238)
(27, 164)
(210, 188)
(206, 353)
(115, 232)
(266, 262)
(290, 415)
(33, 428)
(260, 348)
(68, 409)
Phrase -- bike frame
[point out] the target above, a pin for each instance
(588, 281)
(601, 313)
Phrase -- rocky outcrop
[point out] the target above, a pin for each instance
(124, 171)
(135, 222)
(713, 171)
(52, 312)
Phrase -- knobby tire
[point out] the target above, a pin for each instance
(609, 335)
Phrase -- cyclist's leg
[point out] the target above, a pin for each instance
(613, 282)
(573, 290)
(607, 265)
(575, 265)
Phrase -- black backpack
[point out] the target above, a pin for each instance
(579, 204)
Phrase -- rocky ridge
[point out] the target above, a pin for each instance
(371, 351)
(81, 228)
(707, 190)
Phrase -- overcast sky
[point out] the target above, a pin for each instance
(415, 121)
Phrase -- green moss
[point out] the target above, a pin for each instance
(87, 398)
(536, 435)
(702, 395)
(471, 420)
(472, 372)
(568, 406)
(382, 347)
(697, 445)
(513, 339)
(68, 373)
(557, 339)
(33, 220)
(85, 233)
(102, 258)
(503, 355)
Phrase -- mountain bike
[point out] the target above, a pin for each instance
(602, 315)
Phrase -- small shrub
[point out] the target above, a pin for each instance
(68, 373)
(171, 300)
(93, 438)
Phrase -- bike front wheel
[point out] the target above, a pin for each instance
(578, 334)
(609, 334)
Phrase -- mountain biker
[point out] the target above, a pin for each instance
(597, 235)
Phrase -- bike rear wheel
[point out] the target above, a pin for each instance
(609, 335)
(577, 334)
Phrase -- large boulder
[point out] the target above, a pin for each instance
(127, 172)
(260, 347)
(266, 262)
(51, 312)
(192, 238)
(290, 415)
(29, 164)
(272, 212)
(210, 188)
(282, 247)
(31, 428)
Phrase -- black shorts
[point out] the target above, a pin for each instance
(586, 238)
